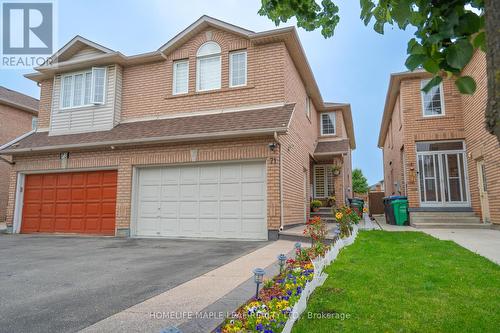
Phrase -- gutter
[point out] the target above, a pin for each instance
(19, 138)
(282, 213)
(177, 138)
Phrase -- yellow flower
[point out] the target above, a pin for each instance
(339, 215)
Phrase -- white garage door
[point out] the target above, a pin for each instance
(213, 200)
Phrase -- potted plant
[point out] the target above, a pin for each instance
(315, 204)
(336, 169)
(331, 201)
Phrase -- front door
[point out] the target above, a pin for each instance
(323, 181)
(442, 174)
(483, 190)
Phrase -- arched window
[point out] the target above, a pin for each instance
(208, 67)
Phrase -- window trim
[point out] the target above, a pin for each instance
(308, 107)
(84, 72)
(334, 123)
(441, 97)
(174, 75)
(34, 123)
(208, 56)
(231, 54)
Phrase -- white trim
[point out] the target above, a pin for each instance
(334, 119)
(18, 205)
(308, 107)
(441, 97)
(174, 75)
(82, 40)
(203, 113)
(231, 54)
(84, 73)
(104, 86)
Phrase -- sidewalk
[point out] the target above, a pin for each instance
(182, 303)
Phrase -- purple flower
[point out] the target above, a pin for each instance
(268, 331)
(289, 292)
(286, 298)
(259, 327)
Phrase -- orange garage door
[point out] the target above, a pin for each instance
(71, 202)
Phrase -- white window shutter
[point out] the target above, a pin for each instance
(98, 85)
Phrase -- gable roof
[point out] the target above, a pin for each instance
(76, 44)
(255, 122)
(18, 100)
(391, 97)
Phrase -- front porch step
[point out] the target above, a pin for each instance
(296, 234)
(452, 220)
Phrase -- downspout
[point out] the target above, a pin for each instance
(282, 214)
(343, 179)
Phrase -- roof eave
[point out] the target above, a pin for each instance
(155, 140)
(19, 106)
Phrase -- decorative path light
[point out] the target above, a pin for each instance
(281, 261)
(258, 275)
(297, 249)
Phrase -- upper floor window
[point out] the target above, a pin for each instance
(432, 102)
(328, 123)
(208, 67)
(83, 88)
(308, 107)
(181, 77)
(34, 123)
(237, 68)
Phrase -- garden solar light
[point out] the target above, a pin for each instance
(258, 278)
(281, 260)
(297, 246)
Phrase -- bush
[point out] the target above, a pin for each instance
(316, 204)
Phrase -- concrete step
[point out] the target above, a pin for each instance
(456, 225)
(449, 214)
(445, 219)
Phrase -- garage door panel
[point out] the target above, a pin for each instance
(169, 193)
(230, 209)
(149, 209)
(169, 209)
(63, 194)
(230, 191)
(188, 209)
(75, 202)
(251, 226)
(209, 227)
(212, 200)
(209, 209)
(188, 192)
(209, 192)
(149, 192)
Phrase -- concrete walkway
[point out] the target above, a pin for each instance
(184, 302)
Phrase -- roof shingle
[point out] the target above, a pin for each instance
(238, 123)
(15, 98)
(338, 146)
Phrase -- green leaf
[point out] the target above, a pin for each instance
(466, 85)
(468, 24)
(401, 12)
(415, 60)
(479, 41)
(432, 83)
(431, 66)
(459, 54)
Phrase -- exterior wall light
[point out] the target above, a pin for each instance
(258, 275)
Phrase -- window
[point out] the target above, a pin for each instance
(34, 123)
(308, 107)
(328, 123)
(432, 102)
(181, 75)
(238, 69)
(83, 88)
(208, 67)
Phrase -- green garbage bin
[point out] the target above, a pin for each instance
(400, 209)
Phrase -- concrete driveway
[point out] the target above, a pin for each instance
(64, 284)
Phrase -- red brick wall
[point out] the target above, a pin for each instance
(393, 163)
(14, 122)
(481, 144)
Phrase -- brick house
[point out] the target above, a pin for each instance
(18, 115)
(220, 133)
(437, 151)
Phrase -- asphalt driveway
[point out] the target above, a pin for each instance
(63, 284)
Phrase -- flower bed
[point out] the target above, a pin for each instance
(283, 298)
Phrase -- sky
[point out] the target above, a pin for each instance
(352, 67)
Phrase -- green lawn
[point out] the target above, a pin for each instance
(406, 282)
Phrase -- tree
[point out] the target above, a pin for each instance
(447, 34)
(359, 182)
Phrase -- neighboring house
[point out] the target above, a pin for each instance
(222, 133)
(18, 115)
(377, 187)
(436, 149)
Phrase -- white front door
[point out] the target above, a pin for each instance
(323, 181)
(442, 175)
(214, 200)
(483, 191)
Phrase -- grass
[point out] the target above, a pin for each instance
(405, 282)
